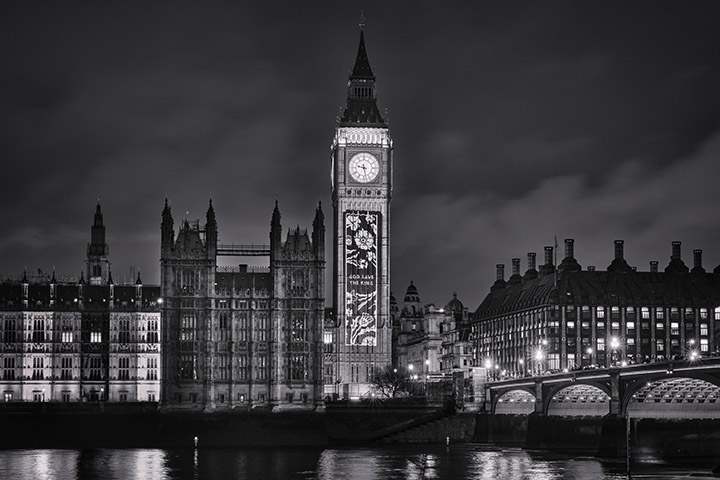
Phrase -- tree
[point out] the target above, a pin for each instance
(391, 382)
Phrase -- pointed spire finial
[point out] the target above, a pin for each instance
(362, 20)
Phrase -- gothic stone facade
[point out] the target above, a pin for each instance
(241, 337)
(73, 341)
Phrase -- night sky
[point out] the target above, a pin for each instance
(513, 123)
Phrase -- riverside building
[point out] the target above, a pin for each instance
(81, 339)
(565, 317)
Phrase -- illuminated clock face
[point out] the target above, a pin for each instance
(364, 167)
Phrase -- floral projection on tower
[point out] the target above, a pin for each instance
(361, 246)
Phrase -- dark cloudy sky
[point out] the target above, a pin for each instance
(513, 123)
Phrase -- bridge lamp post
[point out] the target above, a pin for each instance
(614, 345)
(427, 373)
(488, 367)
(539, 356)
(692, 353)
(589, 352)
(522, 366)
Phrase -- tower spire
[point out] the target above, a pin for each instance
(362, 109)
(98, 251)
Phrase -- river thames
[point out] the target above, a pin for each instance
(462, 461)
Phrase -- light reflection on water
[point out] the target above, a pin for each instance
(411, 462)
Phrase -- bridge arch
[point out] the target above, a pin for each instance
(578, 399)
(686, 395)
(518, 401)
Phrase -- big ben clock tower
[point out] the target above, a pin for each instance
(360, 331)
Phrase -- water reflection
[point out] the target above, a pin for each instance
(412, 462)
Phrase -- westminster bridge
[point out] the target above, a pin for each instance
(675, 389)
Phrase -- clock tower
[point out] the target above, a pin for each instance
(360, 330)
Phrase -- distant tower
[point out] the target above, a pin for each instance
(361, 191)
(98, 263)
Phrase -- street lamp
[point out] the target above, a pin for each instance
(522, 366)
(614, 345)
(589, 352)
(539, 356)
(427, 374)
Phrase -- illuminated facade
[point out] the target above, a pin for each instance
(358, 335)
(433, 342)
(73, 341)
(242, 337)
(552, 318)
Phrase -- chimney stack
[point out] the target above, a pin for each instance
(697, 261)
(515, 277)
(697, 258)
(619, 265)
(654, 266)
(676, 264)
(548, 267)
(499, 282)
(569, 248)
(531, 261)
(619, 247)
(676, 251)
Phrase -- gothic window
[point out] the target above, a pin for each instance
(186, 367)
(124, 368)
(298, 329)
(95, 337)
(9, 368)
(152, 335)
(187, 327)
(9, 334)
(95, 368)
(298, 367)
(261, 365)
(223, 367)
(242, 368)
(262, 328)
(152, 365)
(124, 333)
(38, 334)
(38, 368)
(66, 368)
(224, 326)
(67, 331)
(242, 326)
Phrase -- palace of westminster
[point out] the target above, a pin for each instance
(213, 338)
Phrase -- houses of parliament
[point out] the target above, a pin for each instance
(211, 337)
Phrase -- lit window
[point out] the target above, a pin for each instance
(631, 325)
(600, 312)
(674, 328)
(95, 337)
